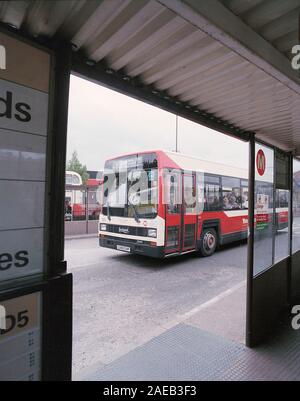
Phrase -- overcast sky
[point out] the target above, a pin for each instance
(104, 123)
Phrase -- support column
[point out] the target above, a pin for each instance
(250, 255)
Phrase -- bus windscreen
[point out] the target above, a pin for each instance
(131, 187)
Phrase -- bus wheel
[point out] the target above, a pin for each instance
(208, 241)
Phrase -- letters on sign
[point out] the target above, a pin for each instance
(19, 259)
(11, 109)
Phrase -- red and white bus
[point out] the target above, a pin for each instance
(191, 204)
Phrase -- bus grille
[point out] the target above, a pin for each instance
(127, 230)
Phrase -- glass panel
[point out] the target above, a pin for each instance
(282, 171)
(244, 197)
(130, 187)
(172, 191)
(212, 179)
(79, 205)
(94, 203)
(296, 205)
(75, 205)
(189, 194)
(200, 192)
(282, 238)
(142, 195)
(231, 193)
(212, 193)
(263, 198)
(69, 180)
(282, 224)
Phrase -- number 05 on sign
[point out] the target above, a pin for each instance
(20, 341)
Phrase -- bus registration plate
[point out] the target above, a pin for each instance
(123, 248)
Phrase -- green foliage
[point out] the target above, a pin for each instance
(74, 165)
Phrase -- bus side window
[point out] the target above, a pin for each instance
(189, 193)
(200, 195)
(231, 192)
(212, 192)
(212, 197)
(282, 198)
(244, 198)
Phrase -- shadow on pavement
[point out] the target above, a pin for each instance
(152, 263)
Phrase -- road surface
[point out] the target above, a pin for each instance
(121, 300)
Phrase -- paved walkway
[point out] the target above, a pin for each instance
(208, 344)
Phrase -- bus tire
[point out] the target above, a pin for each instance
(208, 241)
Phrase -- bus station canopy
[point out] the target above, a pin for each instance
(226, 63)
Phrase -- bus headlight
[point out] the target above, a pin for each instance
(152, 232)
(103, 227)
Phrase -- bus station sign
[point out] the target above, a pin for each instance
(24, 98)
(20, 341)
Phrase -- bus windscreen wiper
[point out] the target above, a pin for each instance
(136, 215)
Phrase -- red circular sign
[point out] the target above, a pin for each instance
(261, 162)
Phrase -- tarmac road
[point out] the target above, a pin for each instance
(122, 300)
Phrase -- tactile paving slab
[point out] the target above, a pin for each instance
(187, 353)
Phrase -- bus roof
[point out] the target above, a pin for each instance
(192, 163)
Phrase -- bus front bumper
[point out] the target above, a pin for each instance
(131, 246)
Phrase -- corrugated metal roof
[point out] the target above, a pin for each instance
(147, 39)
(275, 20)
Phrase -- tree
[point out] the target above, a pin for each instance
(74, 165)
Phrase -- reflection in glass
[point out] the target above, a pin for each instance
(231, 192)
(296, 206)
(130, 186)
(172, 197)
(94, 202)
(271, 237)
(282, 224)
(263, 203)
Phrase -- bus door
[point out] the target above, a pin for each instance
(189, 212)
(173, 210)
